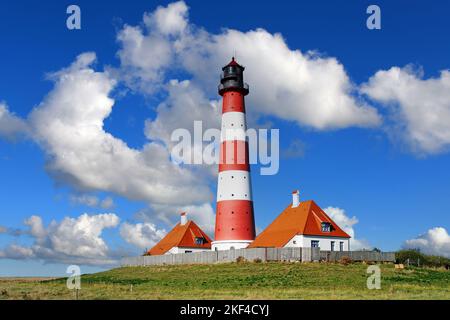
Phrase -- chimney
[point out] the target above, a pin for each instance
(295, 199)
(183, 218)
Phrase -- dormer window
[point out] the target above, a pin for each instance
(199, 240)
(326, 227)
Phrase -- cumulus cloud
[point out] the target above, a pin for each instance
(16, 252)
(186, 99)
(36, 227)
(435, 241)
(92, 201)
(347, 224)
(136, 61)
(73, 240)
(202, 214)
(420, 107)
(142, 235)
(168, 20)
(68, 125)
(303, 87)
(11, 126)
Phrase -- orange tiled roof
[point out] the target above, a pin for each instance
(305, 219)
(181, 236)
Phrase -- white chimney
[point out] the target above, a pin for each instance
(295, 199)
(183, 218)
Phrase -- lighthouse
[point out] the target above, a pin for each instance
(235, 224)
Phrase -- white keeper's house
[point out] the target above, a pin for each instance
(185, 237)
(303, 224)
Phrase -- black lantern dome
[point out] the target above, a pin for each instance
(232, 78)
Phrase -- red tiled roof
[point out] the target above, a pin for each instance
(305, 219)
(181, 236)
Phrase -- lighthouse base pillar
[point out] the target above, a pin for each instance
(230, 244)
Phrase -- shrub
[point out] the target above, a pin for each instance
(257, 260)
(345, 260)
(240, 259)
(415, 257)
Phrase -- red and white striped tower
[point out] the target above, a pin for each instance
(235, 224)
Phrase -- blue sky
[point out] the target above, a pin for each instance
(391, 173)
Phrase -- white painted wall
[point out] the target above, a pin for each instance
(228, 244)
(324, 242)
(184, 249)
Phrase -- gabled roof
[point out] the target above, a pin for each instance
(305, 219)
(181, 236)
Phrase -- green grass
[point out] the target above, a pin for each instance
(242, 281)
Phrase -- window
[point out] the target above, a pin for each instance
(326, 227)
(199, 240)
(231, 69)
(332, 245)
(314, 243)
(188, 251)
(341, 246)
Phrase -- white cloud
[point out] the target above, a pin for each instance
(17, 252)
(11, 231)
(189, 102)
(68, 125)
(346, 223)
(11, 126)
(92, 201)
(168, 20)
(148, 51)
(185, 99)
(143, 57)
(36, 226)
(142, 235)
(202, 214)
(435, 241)
(303, 87)
(107, 203)
(420, 107)
(88, 200)
(73, 240)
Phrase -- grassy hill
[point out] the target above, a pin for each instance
(241, 281)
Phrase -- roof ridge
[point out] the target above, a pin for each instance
(301, 220)
(186, 227)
